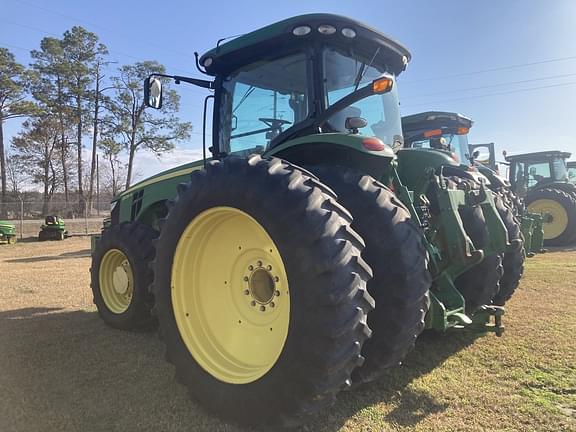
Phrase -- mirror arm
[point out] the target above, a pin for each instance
(194, 81)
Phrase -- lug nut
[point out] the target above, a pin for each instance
(277, 293)
(245, 278)
(246, 292)
(269, 267)
(259, 263)
(272, 304)
(250, 268)
(253, 303)
(262, 308)
(276, 279)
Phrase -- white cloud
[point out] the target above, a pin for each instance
(146, 164)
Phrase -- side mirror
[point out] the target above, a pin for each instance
(476, 154)
(153, 92)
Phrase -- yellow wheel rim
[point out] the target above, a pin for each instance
(116, 281)
(554, 215)
(230, 295)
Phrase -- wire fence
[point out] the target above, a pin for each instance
(81, 217)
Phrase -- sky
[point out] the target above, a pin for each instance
(508, 65)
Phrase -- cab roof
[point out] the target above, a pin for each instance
(265, 41)
(433, 120)
(527, 157)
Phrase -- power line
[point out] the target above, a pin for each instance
(500, 68)
(492, 85)
(110, 50)
(492, 94)
(71, 18)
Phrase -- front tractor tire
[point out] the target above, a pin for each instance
(121, 277)
(261, 291)
(395, 252)
(558, 209)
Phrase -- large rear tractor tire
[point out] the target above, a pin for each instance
(559, 213)
(121, 277)
(395, 252)
(513, 261)
(261, 291)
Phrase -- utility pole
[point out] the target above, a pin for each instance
(98, 184)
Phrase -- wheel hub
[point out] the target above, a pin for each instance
(120, 279)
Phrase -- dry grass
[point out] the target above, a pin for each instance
(62, 369)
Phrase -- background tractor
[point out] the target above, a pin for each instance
(53, 228)
(571, 171)
(532, 224)
(445, 135)
(541, 179)
(7, 233)
(271, 291)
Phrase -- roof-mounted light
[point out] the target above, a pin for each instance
(462, 130)
(348, 32)
(301, 30)
(326, 29)
(208, 62)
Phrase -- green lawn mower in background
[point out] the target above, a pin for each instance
(7, 233)
(541, 179)
(445, 135)
(304, 255)
(53, 228)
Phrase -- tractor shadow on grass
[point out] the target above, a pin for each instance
(85, 253)
(411, 406)
(66, 370)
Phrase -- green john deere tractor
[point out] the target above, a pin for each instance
(571, 171)
(284, 268)
(532, 224)
(541, 179)
(53, 228)
(445, 134)
(7, 233)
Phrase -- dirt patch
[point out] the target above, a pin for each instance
(62, 369)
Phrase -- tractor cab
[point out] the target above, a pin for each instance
(571, 171)
(309, 85)
(444, 131)
(532, 171)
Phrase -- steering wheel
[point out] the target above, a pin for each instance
(274, 123)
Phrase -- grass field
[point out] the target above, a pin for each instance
(62, 369)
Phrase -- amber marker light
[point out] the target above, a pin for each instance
(462, 131)
(432, 133)
(382, 85)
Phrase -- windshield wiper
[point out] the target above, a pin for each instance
(363, 69)
(244, 97)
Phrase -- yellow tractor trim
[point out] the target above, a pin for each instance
(116, 281)
(230, 295)
(554, 215)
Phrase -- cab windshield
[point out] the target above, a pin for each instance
(559, 170)
(458, 144)
(262, 100)
(344, 74)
